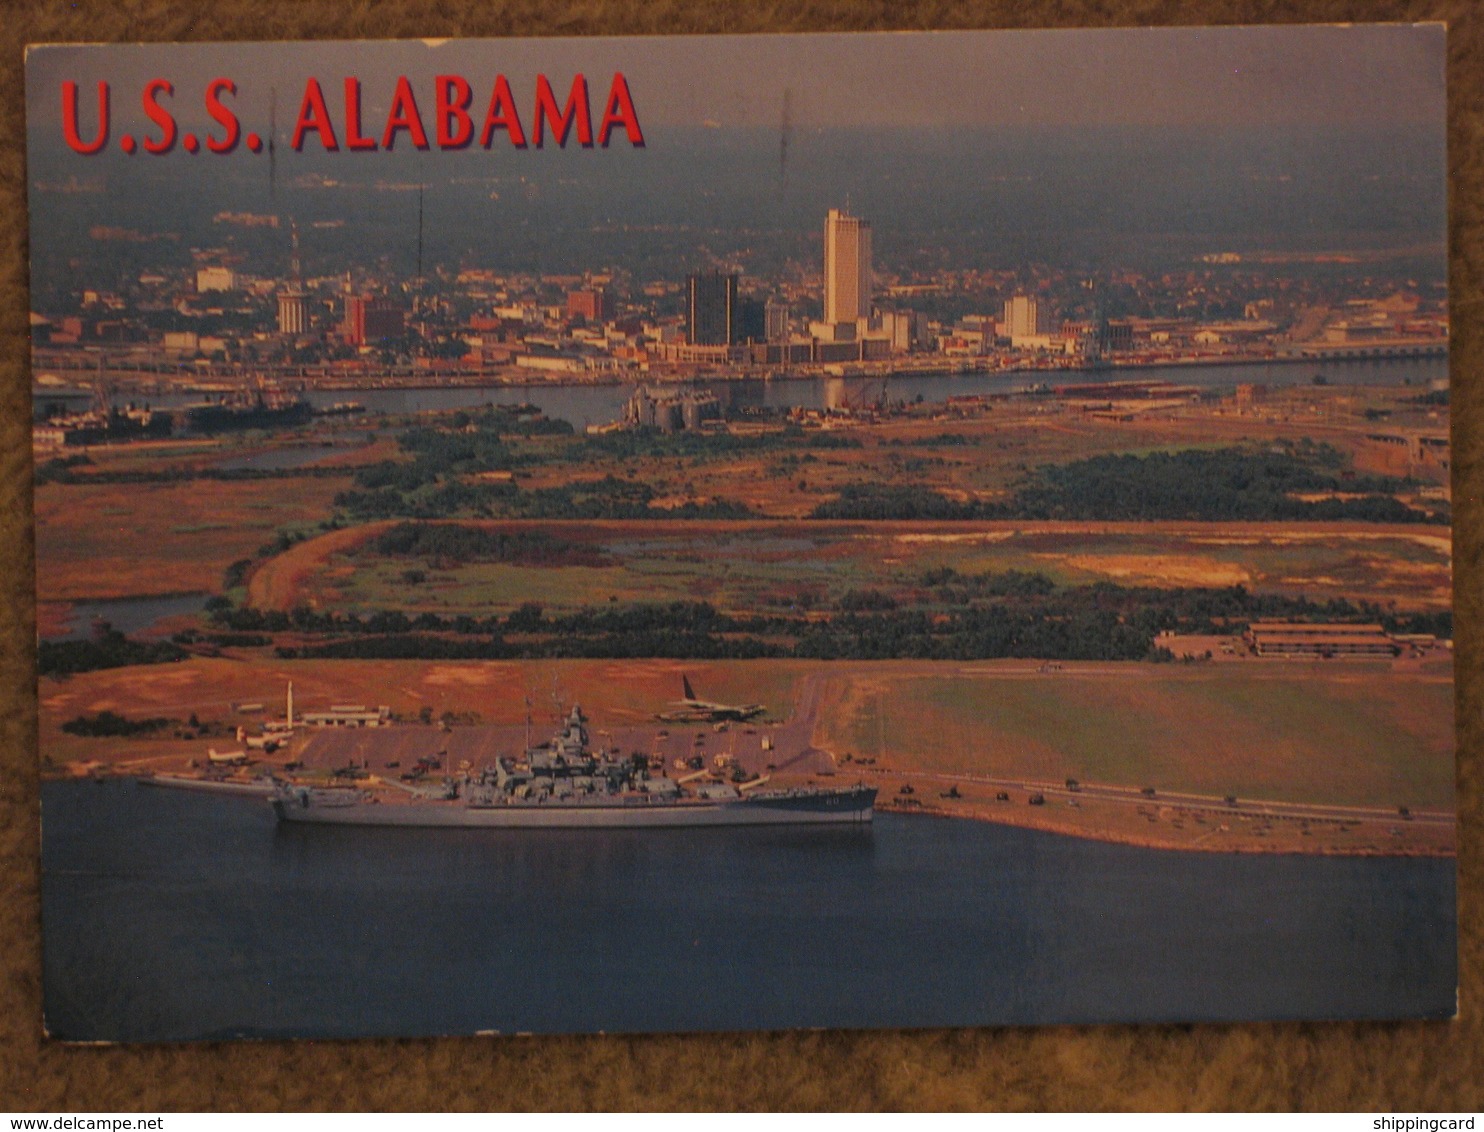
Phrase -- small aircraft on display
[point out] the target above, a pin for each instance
(692, 710)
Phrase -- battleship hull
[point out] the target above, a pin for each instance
(258, 788)
(853, 806)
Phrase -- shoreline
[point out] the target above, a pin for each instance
(1171, 820)
(509, 378)
(1048, 819)
(1020, 820)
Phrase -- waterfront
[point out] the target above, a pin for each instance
(583, 405)
(593, 404)
(172, 916)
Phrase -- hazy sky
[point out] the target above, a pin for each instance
(1216, 77)
(1046, 146)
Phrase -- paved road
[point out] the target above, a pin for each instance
(1129, 795)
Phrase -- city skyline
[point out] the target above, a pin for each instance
(595, 324)
(1119, 201)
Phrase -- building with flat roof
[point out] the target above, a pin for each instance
(215, 279)
(776, 317)
(349, 715)
(751, 324)
(369, 318)
(847, 267)
(711, 308)
(1305, 639)
(1419, 453)
(1025, 318)
(589, 303)
(293, 312)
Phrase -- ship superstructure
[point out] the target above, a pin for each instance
(564, 783)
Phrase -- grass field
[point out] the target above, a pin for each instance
(1344, 734)
(763, 566)
(138, 539)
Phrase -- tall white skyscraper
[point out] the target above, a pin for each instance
(847, 267)
(1024, 317)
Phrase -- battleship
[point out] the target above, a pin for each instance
(565, 784)
(263, 786)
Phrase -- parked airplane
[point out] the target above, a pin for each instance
(692, 710)
(265, 743)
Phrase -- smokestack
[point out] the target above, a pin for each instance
(289, 711)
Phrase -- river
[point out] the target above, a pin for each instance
(175, 916)
(584, 405)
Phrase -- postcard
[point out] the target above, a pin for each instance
(742, 532)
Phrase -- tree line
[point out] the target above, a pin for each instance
(647, 442)
(110, 649)
(946, 616)
(1009, 615)
(607, 498)
(1227, 484)
(459, 543)
(63, 470)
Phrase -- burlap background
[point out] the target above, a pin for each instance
(1310, 1066)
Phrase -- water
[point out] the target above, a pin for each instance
(172, 916)
(582, 405)
(128, 615)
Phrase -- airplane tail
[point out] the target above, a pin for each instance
(685, 683)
